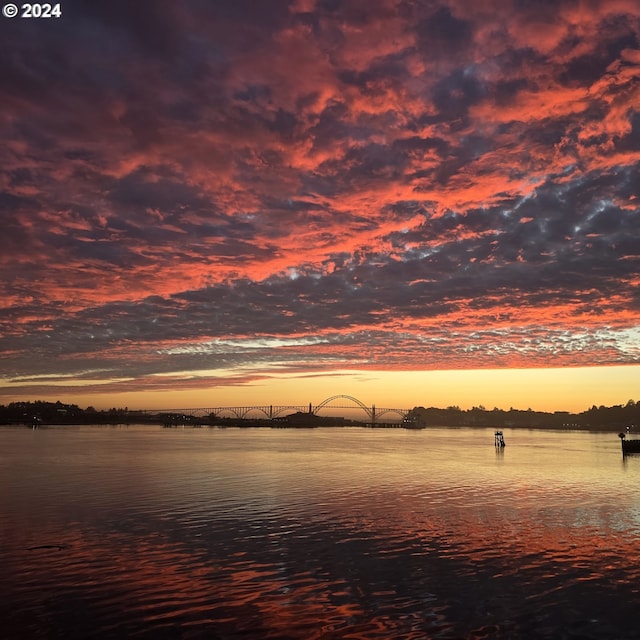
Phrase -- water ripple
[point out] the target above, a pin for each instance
(279, 534)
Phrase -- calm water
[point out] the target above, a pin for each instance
(144, 532)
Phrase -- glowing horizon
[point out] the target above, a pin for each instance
(574, 390)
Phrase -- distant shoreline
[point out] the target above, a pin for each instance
(263, 424)
(608, 419)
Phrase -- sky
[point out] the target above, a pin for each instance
(413, 202)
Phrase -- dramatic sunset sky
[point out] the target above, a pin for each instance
(414, 202)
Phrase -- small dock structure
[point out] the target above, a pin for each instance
(629, 446)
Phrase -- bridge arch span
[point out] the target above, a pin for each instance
(261, 411)
(368, 410)
(242, 413)
(400, 412)
(276, 411)
(228, 412)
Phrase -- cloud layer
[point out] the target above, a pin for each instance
(197, 190)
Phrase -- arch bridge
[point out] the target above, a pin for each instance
(372, 412)
(269, 412)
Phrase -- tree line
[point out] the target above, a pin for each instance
(612, 418)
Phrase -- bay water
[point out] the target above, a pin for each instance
(227, 533)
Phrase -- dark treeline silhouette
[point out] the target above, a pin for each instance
(597, 418)
(59, 413)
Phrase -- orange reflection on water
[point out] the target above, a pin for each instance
(377, 534)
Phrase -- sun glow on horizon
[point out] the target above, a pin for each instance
(568, 389)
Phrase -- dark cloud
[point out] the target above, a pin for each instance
(146, 188)
(148, 25)
(442, 35)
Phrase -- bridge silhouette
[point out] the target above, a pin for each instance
(272, 411)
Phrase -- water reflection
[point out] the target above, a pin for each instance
(324, 534)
